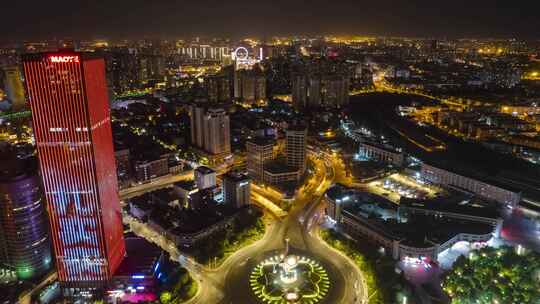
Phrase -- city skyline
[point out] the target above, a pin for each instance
(123, 19)
(297, 169)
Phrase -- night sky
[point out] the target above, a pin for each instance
(165, 19)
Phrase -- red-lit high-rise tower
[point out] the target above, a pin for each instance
(72, 129)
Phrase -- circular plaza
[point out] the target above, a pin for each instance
(284, 279)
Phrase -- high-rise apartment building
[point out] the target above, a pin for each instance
(70, 112)
(218, 88)
(249, 85)
(204, 51)
(313, 98)
(335, 91)
(299, 91)
(216, 128)
(259, 151)
(196, 114)
(14, 87)
(315, 90)
(236, 189)
(122, 70)
(295, 147)
(321, 84)
(210, 129)
(130, 69)
(24, 230)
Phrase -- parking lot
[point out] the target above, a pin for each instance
(399, 185)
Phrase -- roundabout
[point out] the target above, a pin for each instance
(290, 264)
(282, 279)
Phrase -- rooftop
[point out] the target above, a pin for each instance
(337, 191)
(186, 185)
(141, 258)
(278, 166)
(381, 215)
(204, 170)
(456, 202)
(181, 220)
(261, 141)
(424, 231)
(381, 146)
(236, 176)
(460, 170)
(192, 221)
(296, 128)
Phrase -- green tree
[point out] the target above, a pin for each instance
(165, 297)
(494, 275)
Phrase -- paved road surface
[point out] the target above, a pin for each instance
(228, 284)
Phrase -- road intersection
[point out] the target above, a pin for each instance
(229, 283)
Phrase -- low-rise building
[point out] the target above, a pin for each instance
(162, 213)
(185, 239)
(205, 177)
(187, 193)
(140, 267)
(486, 189)
(526, 141)
(382, 153)
(175, 167)
(140, 210)
(458, 205)
(408, 231)
(145, 171)
(278, 172)
(523, 109)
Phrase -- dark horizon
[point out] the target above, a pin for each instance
(167, 19)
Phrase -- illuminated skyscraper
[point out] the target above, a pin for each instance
(24, 230)
(70, 113)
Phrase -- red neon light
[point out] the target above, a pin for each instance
(60, 59)
(80, 184)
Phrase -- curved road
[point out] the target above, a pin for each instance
(228, 284)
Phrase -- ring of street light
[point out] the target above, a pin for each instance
(289, 279)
